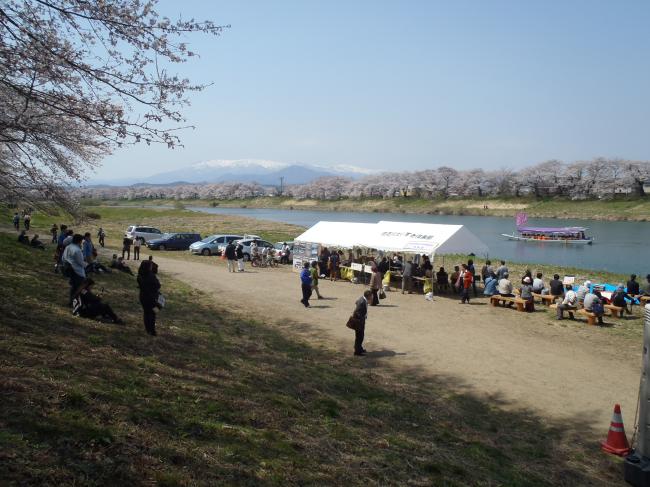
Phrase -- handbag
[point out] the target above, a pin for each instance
(160, 301)
(382, 294)
(353, 323)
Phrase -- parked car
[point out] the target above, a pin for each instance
(278, 247)
(143, 233)
(176, 241)
(213, 244)
(246, 243)
(222, 246)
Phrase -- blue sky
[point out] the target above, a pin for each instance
(410, 85)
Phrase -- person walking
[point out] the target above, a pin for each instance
(231, 256)
(466, 281)
(126, 247)
(239, 253)
(101, 235)
(74, 265)
(305, 284)
(313, 272)
(27, 221)
(375, 284)
(361, 314)
(136, 248)
(16, 221)
(149, 293)
(53, 231)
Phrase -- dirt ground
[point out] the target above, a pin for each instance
(516, 360)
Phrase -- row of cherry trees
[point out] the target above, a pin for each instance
(599, 178)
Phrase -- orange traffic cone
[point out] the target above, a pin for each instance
(616, 442)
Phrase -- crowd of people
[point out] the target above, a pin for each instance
(76, 258)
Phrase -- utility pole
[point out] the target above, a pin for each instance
(637, 465)
(281, 185)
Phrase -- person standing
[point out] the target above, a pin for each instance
(149, 292)
(361, 314)
(305, 284)
(27, 220)
(87, 248)
(126, 247)
(334, 265)
(467, 279)
(313, 272)
(136, 248)
(101, 235)
(231, 256)
(239, 253)
(63, 231)
(407, 275)
(285, 253)
(53, 231)
(16, 221)
(375, 284)
(633, 286)
(73, 261)
(475, 277)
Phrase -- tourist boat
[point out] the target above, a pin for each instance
(563, 235)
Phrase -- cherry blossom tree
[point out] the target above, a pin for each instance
(79, 78)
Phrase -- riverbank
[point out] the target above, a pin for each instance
(228, 394)
(614, 210)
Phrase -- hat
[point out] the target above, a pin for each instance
(587, 283)
(527, 279)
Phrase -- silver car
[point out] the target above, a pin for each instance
(213, 244)
(142, 233)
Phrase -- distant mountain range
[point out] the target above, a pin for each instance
(240, 170)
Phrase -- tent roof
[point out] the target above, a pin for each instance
(391, 236)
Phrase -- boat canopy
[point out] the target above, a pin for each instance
(566, 230)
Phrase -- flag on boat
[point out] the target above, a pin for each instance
(521, 219)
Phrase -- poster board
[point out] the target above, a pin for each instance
(304, 252)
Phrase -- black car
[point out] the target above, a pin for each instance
(176, 241)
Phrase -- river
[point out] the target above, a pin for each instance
(619, 246)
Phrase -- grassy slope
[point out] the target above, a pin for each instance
(220, 400)
(623, 209)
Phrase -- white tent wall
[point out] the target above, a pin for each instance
(403, 237)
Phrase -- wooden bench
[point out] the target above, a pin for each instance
(614, 310)
(497, 298)
(546, 299)
(591, 318)
(569, 310)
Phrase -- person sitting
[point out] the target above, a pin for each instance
(501, 270)
(118, 263)
(620, 298)
(22, 238)
(556, 286)
(454, 279)
(88, 305)
(594, 305)
(568, 303)
(646, 287)
(528, 274)
(442, 278)
(36, 243)
(538, 284)
(504, 286)
(633, 286)
(526, 293)
(582, 291)
(490, 282)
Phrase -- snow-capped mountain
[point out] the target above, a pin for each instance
(261, 171)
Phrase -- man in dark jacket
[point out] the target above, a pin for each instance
(633, 286)
(361, 313)
(556, 286)
(239, 253)
(231, 255)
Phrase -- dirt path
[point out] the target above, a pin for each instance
(515, 359)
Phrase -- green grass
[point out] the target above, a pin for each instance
(219, 400)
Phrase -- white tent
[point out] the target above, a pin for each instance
(404, 237)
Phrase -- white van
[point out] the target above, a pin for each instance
(142, 233)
